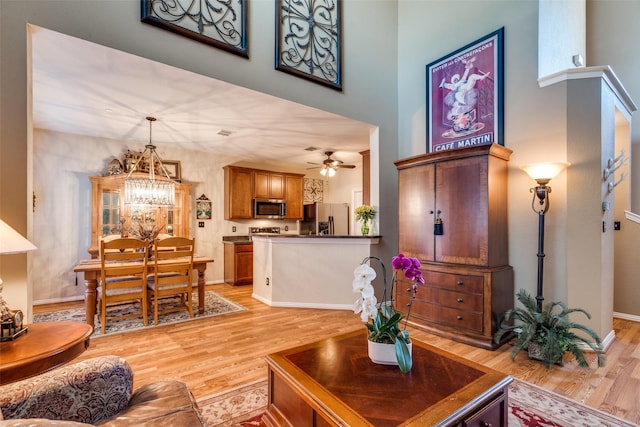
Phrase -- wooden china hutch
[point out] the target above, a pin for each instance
(108, 210)
(453, 218)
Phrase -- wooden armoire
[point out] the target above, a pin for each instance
(468, 280)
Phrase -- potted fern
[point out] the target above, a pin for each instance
(547, 334)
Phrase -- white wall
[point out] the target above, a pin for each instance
(562, 35)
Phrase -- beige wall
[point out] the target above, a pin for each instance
(369, 67)
(535, 126)
(536, 129)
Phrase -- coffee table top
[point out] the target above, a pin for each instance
(44, 346)
(338, 374)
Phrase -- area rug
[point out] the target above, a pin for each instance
(214, 304)
(529, 406)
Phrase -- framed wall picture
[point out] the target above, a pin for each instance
(219, 23)
(308, 40)
(174, 169)
(465, 96)
(203, 207)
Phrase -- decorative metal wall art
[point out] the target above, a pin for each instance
(219, 23)
(313, 190)
(308, 40)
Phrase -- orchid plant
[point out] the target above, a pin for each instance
(382, 319)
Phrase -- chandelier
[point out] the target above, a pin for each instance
(151, 190)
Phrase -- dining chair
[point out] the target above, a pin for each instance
(172, 274)
(123, 277)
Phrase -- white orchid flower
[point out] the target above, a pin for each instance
(363, 276)
(367, 308)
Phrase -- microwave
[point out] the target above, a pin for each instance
(269, 208)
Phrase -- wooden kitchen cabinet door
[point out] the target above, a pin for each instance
(294, 185)
(238, 193)
(269, 185)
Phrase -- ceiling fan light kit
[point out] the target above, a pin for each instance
(330, 166)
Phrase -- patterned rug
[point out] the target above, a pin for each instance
(529, 406)
(214, 304)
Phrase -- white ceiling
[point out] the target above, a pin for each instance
(83, 88)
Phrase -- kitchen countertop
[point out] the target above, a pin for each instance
(236, 240)
(245, 240)
(319, 236)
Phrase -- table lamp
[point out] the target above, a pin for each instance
(11, 242)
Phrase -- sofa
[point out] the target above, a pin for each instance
(96, 391)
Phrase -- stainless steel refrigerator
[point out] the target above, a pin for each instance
(328, 218)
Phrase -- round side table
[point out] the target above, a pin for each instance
(43, 347)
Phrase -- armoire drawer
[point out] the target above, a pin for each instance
(458, 300)
(456, 282)
(434, 313)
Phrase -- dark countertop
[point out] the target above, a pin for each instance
(319, 236)
(246, 240)
(236, 240)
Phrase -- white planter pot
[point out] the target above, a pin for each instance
(384, 354)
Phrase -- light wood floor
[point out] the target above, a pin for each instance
(217, 353)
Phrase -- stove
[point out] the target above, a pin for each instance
(264, 231)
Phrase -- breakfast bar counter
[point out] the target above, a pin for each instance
(308, 271)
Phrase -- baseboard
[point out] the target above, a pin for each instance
(624, 316)
(270, 303)
(81, 297)
(59, 300)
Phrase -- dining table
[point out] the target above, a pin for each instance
(91, 268)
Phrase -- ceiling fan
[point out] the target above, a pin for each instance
(329, 165)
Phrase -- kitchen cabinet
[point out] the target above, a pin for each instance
(468, 281)
(238, 193)
(269, 185)
(238, 263)
(294, 185)
(242, 185)
(108, 210)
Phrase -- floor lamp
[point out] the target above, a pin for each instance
(11, 242)
(542, 173)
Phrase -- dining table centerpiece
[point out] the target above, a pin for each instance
(365, 213)
(389, 341)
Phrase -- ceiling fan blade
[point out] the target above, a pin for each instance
(346, 166)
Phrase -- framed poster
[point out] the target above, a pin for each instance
(218, 23)
(465, 96)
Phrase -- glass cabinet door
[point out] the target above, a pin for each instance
(110, 211)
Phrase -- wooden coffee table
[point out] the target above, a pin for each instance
(43, 347)
(333, 383)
